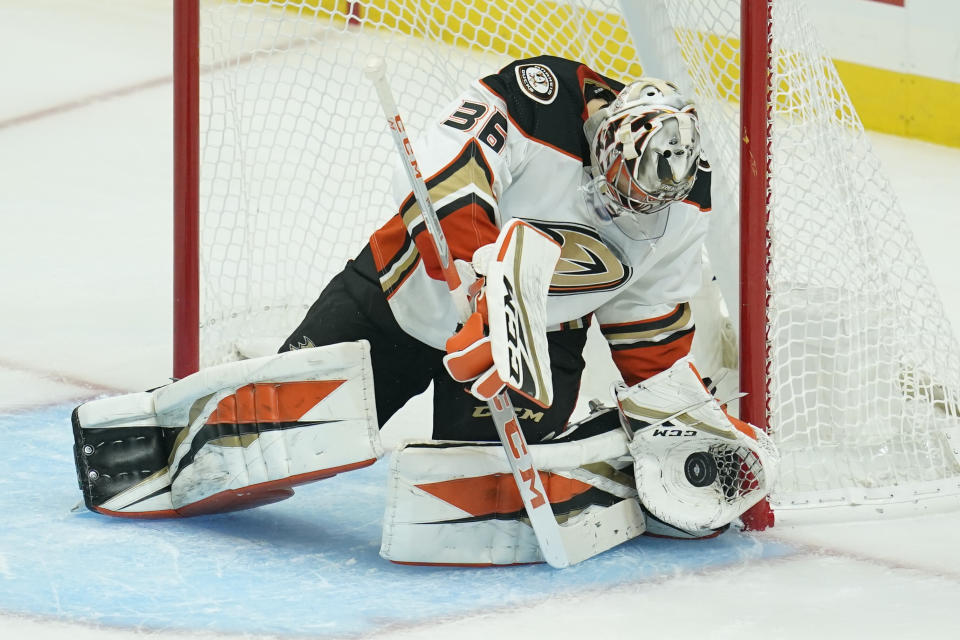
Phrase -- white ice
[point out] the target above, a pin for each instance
(85, 252)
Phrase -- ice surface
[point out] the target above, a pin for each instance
(84, 258)
(307, 565)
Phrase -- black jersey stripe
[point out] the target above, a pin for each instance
(399, 256)
(644, 344)
(678, 318)
(391, 285)
(456, 205)
(469, 167)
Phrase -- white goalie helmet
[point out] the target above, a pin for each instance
(644, 147)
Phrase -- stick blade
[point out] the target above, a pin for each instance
(602, 530)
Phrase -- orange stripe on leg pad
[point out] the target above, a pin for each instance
(272, 401)
(246, 407)
(498, 493)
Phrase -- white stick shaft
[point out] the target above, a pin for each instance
(526, 475)
(376, 71)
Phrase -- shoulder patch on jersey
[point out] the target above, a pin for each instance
(537, 81)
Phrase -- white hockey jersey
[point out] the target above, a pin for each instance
(512, 146)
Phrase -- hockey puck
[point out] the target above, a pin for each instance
(700, 469)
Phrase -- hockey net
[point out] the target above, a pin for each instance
(296, 166)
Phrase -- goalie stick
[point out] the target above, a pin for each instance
(561, 545)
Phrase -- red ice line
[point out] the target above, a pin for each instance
(85, 101)
(119, 92)
(92, 387)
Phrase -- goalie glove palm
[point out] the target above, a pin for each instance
(695, 466)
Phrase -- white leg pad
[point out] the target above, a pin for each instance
(457, 503)
(246, 432)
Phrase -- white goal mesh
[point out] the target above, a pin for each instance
(296, 166)
(864, 368)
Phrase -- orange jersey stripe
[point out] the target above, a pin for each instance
(466, 229)
(636, 364)
(387, 242)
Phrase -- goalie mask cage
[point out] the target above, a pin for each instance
(284, 165)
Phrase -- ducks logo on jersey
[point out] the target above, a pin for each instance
(586, 264)
(538, 82)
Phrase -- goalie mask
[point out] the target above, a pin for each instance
(644, 147)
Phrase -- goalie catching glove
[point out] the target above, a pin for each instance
(504, 342)
(695, 466)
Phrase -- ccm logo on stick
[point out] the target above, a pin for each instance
(518, 450)
(397, 125)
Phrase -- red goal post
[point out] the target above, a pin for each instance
(186, 187)
(844, 353)
(755, 39)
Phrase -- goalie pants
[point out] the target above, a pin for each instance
(354, 307)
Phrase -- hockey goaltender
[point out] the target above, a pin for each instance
(564, 198)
